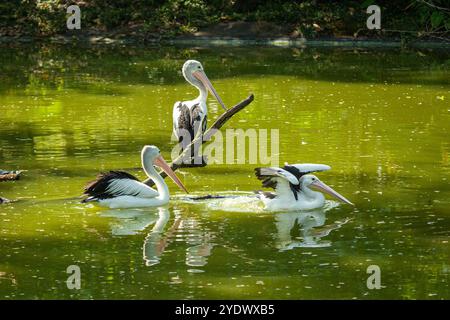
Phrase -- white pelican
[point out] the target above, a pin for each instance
(118, 189)
(292, 185)
(190, 117)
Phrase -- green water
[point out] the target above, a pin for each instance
(380, 118)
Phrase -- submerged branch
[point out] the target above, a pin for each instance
(178, 162)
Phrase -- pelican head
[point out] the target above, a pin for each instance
(311, 181)
(152, 156)
(194, 74)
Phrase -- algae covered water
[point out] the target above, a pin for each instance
(379, 118)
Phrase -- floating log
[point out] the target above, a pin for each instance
(10, 175)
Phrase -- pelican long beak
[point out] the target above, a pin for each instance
(201, 76)
(160, 162)
(323, 187)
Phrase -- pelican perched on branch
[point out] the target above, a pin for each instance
(293, 187)
(190, 117)
(118, 189)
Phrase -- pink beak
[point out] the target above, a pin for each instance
(201, 76)
(160, 162)
(323, 187)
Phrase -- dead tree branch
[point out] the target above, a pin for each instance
(178, 163)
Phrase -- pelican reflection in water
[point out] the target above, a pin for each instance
(132, 221)
(310, 225)
(183, 228)
(186, 229)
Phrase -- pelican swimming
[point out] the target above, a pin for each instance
(118, 189)
(190, 117)
(292, 185)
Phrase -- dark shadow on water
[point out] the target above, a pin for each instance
(93, 69)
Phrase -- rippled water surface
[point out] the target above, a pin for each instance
(380, 118)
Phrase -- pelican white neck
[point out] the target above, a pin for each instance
(189, 68)
(148, 157)
(194, 74)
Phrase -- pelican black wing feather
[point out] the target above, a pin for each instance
(270, 181)
(184, 125)
(98, 189)
(298, 174)
(267, 181)
(198, 120)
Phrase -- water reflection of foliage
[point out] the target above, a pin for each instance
(44, 70)
(93, 68)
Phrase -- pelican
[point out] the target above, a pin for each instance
(292, 185)
(119, 189)
(190, 117)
